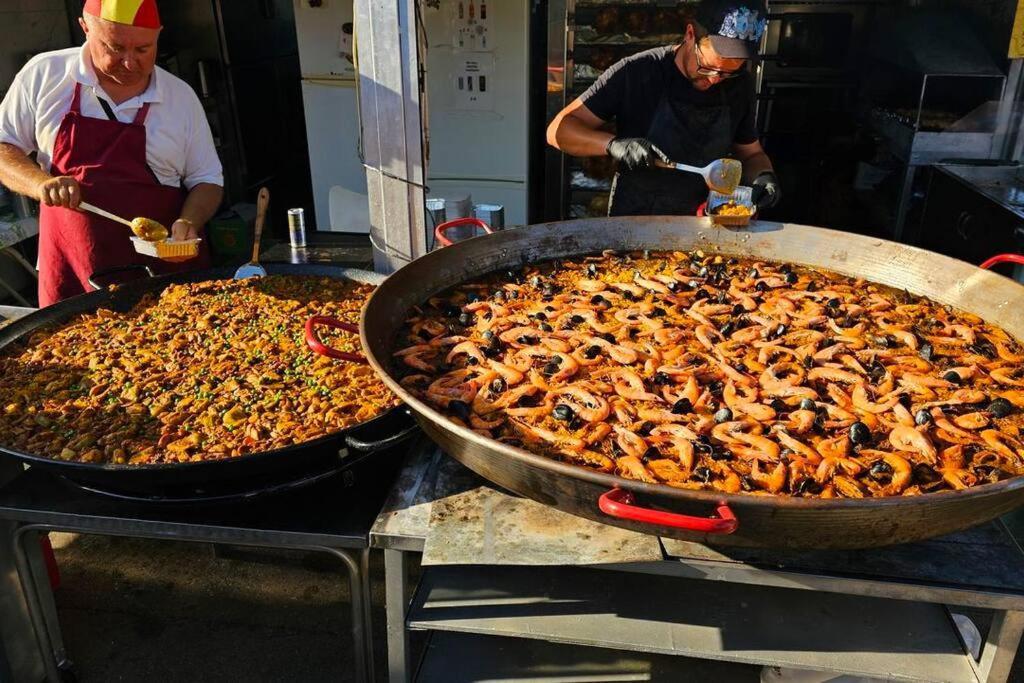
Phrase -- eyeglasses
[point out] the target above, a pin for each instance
(707, 70)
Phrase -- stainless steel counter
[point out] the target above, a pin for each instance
(998, 183)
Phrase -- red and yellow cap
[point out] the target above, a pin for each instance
(142, 13)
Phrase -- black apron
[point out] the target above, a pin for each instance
(687, 134)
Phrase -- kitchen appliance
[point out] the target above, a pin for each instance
(476, 83)
(931, 94)
(722, 518)
(230, 479)
(330, 103)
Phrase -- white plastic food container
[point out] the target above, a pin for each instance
(167, 249)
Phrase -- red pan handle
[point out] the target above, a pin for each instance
(458, 222)
(319, 347)
(1003, 258)
(619, 503)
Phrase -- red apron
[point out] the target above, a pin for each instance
(108, 159)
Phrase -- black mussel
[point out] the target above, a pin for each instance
(563, 412)
(716, 387)
(661, 379)
(472, 297)
(551, 368)
(549, 290)
(926, 351)
(1000, 407)
(471, 360)
(808, 362)
(499, 295)
(549, 309)
(922, 417)
(880, 470)
(459, 409)
(738, 309)
(645, 428)
(539, 315)
(812, 286)
(728, 328)
(833, 303)
(682, 407)
(723, 415)
(592, 352)
(591, 269)
(860, 433)
(658, 312)
(598, 300)
(779, 330)
(498, 385)
(693, 284)
(544, 327)
(608, 337)
(703, 272)
(761, 286)
(526, 339)
(924, 474)
(511, 294)
(535, 281)
(882, 341)
(953, 377)
(721, 297)
(577, 319)
(702, 445)
(651, 453)
(702, 474)
(792, 278)
(451, 311)
(488, 335)
(701, 294)
(721, 453)
(630, 296)
(779, 406)
(527, 401)
(740, 366)
(753, 274)
(465, 319)
(807, 487)
(748, 483)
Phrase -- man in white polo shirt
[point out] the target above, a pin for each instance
(109, 127)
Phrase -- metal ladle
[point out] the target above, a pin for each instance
(145, 228)
(722, 175)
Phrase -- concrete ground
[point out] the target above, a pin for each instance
(135, 610)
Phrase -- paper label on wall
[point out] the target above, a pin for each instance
(472, 82)
(1017, 34)
(470, 25)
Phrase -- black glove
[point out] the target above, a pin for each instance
(634, 153)
(765, 191)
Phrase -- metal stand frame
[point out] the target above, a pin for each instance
(42, 608)
(404, 526)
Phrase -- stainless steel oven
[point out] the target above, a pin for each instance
(814, 40)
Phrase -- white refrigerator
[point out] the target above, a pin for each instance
(332, 119)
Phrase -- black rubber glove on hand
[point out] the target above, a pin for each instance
(635, 153)
(765, 190)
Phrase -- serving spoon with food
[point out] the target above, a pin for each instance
(721, 175)
(144, 228)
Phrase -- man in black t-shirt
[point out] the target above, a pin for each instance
(690, 103)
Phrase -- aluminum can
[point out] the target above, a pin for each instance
(491, 214)
(297, 228)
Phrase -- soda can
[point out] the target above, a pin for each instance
(297, 228)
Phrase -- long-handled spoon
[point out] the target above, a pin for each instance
(145, 228)
(721, 175)
(253, 267)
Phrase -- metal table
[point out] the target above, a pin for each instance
(332, 517)
(884, 612)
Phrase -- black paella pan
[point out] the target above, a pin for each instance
(225, 480)
(705, 516)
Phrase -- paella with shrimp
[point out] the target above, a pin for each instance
(202, 371)
(703, 371)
